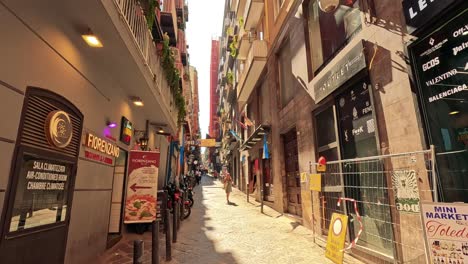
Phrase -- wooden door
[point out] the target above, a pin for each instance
(293, 182)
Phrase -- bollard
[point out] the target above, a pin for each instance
(167, 228)
(174, 222)
(155, 243)
(138, 251)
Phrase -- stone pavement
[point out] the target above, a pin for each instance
(218, 233)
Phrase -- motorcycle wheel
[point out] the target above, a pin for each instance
(187, 211)
(190, 202)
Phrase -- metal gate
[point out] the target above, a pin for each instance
(388, 190)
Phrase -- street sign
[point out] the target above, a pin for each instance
(336, 238)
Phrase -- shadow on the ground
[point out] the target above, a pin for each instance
(192, 246)
(232, 204)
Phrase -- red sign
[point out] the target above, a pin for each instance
(98, 157)
(142, 187)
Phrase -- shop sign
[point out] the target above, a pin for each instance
(405, 186)
(353, 62)
(126, 131)
(101, 145)
(439, 61)
(336, 238)
(58, 129)
(446, 229)
(421, 12)
(142, 187)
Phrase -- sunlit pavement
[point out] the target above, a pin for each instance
(238, 233)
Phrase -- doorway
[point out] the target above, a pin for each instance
(293, 182)
(117, 202)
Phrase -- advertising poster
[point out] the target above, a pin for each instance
(446, 227)
(142, 187)
(336, 238)
(405, 186)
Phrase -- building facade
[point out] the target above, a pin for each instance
(75, 111)
(349, 80)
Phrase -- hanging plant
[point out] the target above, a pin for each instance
(229, 78)
(150, 12)
(241, 22)
(229, 31)
(233, 47)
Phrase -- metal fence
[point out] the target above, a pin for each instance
(387, 190)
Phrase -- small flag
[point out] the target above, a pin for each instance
(248, 122)
(266, 155)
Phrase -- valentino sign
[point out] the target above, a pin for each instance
(58, 129)
(101, 145)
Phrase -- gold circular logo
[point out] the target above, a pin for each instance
(59, 129)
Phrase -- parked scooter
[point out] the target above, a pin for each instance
(175, 196)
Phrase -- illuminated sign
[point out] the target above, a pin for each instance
(58, 129)
(126, 131)
(101, 145)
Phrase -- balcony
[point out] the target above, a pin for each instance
(254, 65)
(253, 12)
(169, 21)
(181, 45)
(244, 44)
(234, 4)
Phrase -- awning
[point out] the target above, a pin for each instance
(255, 137)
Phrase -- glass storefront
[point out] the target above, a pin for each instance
(347, 130)
(440, 63)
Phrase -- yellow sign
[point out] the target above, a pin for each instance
(303, 176)
(316, 182)
(321, 168)
(208, 142)
(336, 238)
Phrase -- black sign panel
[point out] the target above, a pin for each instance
(41, 195)
(126, 131)
(353, 62)
(440, 64)
(356, 122)
(420, 12)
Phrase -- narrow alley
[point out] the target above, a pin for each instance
(218, 233)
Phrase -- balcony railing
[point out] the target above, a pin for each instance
(133, 15)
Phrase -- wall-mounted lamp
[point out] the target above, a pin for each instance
(111, 124)
(454, 112)
(144, 143)
(91, 39)
(136, 100)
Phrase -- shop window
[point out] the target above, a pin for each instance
(41, 193)
(287, 87)
(440, 62)
(328, 32)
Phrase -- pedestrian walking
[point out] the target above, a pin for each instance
(227, 185)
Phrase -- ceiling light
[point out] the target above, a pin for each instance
(137, 101)
(92, 40)
(160, 130)
(454, 112)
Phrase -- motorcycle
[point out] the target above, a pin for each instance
(175, 196)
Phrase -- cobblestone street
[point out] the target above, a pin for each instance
(238, 233)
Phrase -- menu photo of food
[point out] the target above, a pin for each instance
(142, 186)
(449, 252)
(140, 208)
